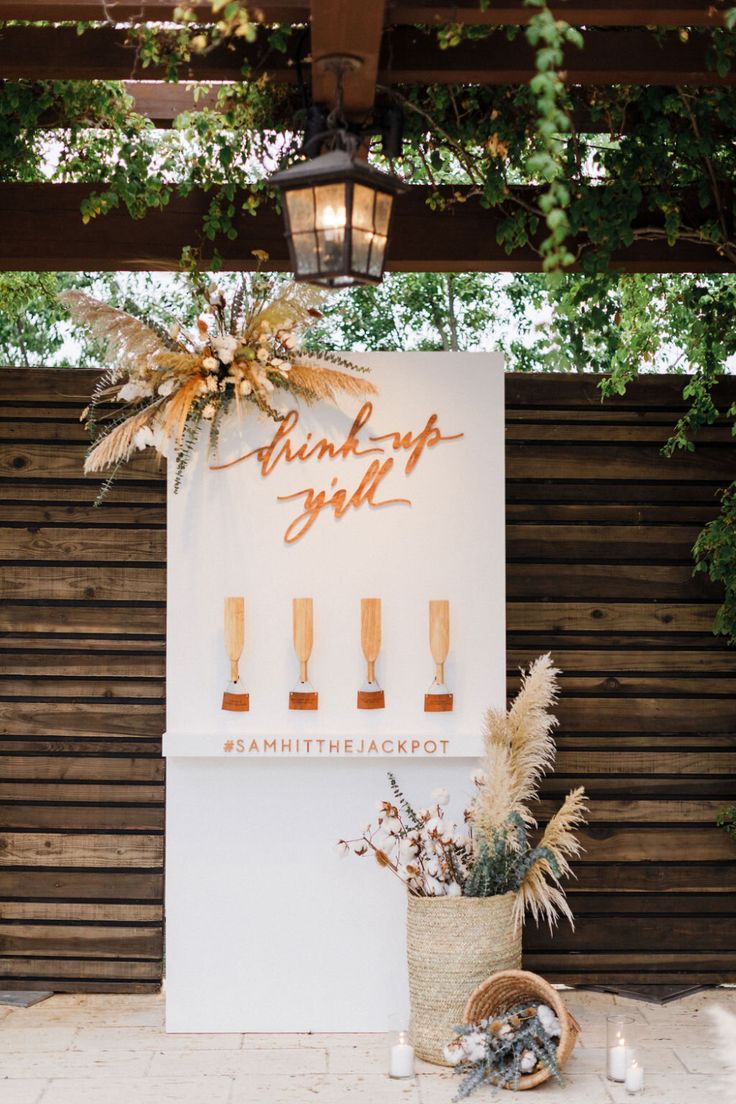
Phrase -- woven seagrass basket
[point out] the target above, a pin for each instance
(453, 943)
(511, 987)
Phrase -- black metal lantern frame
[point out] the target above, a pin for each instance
(337, 208)
(338, 218)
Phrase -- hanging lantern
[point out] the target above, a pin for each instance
(337, 208)
(337, 211)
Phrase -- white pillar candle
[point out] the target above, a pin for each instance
(617, 1061)
(402, 1057)
(634, 1077)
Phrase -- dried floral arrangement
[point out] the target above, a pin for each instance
(490, 853)
(173, 383)
(503, 1050)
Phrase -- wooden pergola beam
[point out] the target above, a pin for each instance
(408, 56)
(347, 29)
(594, 13)
(43, 231)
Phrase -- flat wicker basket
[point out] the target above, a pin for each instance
(510, 987)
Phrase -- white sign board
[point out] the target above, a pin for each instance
(267, 928)
(397, 496)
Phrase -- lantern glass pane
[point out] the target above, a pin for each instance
(330, 207)
(305, 253)
(300, 205)
(362, 243)
(363, 203)
(331, 249)
(378, 253)
(382, 215)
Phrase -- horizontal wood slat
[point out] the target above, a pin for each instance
(597, 13)
(43, 230)
(409, 55)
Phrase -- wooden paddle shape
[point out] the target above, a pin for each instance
(439, 700)
(234, 642)
(370, 640)
(303, 623)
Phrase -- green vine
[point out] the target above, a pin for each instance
(550, 162)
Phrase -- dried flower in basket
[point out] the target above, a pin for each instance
(172, 383)
(491, 853)
(503, 1050)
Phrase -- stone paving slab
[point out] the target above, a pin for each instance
(110, 1049)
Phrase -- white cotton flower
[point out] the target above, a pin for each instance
(209, 411)
(262, 380)
(459, 838)
(548, 1020)
(434, 887)
(133, 390)
(504, 1030)
(407, 850)
(441, 796)
(391, 825)
(289, 342)
(245, 387)
(454, 890)
(167, 387)
(143, 438)
(474, 1046)
(434, 824)
(528, 1061)
(210, 364)
(454, 1053)
(225, 347)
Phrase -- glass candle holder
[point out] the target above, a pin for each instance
(619, 1032)
(634, 1082)
(401, 1057)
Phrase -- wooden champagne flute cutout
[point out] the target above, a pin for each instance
(303, 696)
(371, 695)
(438, 699)
(235, 699)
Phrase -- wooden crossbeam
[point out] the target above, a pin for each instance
(408, 56)
(594, 13)
(43, 231)
(348, 29)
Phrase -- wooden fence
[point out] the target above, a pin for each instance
(599, 534)
(81, 702)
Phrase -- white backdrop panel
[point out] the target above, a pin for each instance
(267, 928)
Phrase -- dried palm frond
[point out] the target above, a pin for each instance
(294, 304)
(124, 336)
(493, 804)
(540, 892)
(541, 896)
(519, 749)
(118, 444)
(325, 383)
(178, 407)
(529, 728)
(559, 835)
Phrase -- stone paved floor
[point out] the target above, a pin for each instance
(112, 1050)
